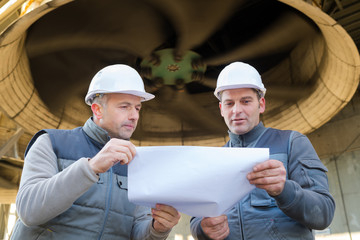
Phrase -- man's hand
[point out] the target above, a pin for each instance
(165, 217)
(114, 151)
(270, 176)
(216, 228)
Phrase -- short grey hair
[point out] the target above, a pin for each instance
(99, 98)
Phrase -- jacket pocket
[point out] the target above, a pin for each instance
(120, 200)
(313, 164)
(122, 182)
(260, 198)
(310, 169)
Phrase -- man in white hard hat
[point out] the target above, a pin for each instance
(292, 195)
(74, 182)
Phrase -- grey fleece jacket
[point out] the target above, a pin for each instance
(45, 192)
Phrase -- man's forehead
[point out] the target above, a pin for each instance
(238, 92)
(124, 97)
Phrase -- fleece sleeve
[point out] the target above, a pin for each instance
(44, 192)
(143, 228)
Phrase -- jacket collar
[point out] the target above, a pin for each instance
(95, 132)
(248, 139)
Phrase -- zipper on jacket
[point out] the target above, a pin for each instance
(108, 202)
(241, 220)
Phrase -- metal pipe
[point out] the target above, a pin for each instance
(10, 8)
(10, 143)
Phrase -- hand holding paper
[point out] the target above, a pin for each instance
(270, 176)
(198, 181)
(166, 217)
(215, 227)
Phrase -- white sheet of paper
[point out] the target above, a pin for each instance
(197, 181)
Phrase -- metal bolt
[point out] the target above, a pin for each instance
(146, 72)
(155, 60)
(158, 82)
(197, 63)
(179, 83)
(177, 56)
(197, 76)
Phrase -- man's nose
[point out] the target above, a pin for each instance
(237, 108)
(134, 114)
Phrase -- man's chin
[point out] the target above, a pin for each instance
(126, 135)
(239, 131)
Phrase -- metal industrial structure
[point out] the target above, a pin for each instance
(306, 52)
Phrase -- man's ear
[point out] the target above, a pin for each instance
(262, 105)
(220, 106)
(97, 110)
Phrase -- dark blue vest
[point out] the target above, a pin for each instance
(103, 211)
(74, 144)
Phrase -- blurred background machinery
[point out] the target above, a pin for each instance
(306, 51)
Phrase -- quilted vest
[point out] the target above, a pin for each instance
(103, 212)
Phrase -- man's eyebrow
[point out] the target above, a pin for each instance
(242, 98)
(247, 97)
(124, 103)
(129, 104)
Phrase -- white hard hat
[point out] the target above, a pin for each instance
(118, 78)
(238, 75)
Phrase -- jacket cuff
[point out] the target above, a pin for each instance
(88, 172)
(288, 194)
(158, 235)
